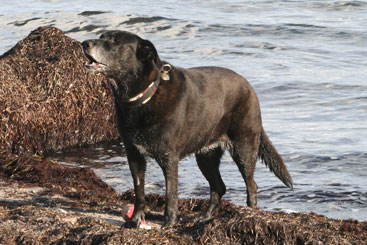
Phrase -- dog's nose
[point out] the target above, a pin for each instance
(87, 44)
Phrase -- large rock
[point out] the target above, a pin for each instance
(48, 101)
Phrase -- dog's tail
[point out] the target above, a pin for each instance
(273, 160)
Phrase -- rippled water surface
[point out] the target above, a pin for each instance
(307, 60)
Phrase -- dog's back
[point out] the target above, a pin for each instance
(209, 106)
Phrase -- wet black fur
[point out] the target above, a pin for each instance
(202, 110)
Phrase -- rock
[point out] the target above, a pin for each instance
(48, 101)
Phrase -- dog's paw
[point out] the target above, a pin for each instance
(168, 223)
(130, 224)
(135, 221)
(203, 217)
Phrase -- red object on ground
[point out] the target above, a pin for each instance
(128, 211)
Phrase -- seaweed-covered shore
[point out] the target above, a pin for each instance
(43, 202)
(49, 102)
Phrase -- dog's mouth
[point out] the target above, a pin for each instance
(92, 64)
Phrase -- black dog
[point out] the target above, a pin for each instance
(168, 112)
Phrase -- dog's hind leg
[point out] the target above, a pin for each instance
(244, 153)
(209, 165)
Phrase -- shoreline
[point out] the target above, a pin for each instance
(78, 207)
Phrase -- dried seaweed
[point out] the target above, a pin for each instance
(38, 221)
(48, 101)
(76, 182)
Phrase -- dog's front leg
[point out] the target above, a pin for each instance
(170, 170)
(137, 166)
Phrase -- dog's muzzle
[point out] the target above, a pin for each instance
(92, 64)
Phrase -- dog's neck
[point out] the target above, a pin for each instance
(145, 96)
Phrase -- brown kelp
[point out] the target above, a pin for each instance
(48, 101)
(75, 206)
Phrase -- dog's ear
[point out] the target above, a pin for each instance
(146, 51)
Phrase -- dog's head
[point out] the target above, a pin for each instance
(123, 57)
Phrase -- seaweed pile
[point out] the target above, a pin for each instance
(43, 202)
(244, 225)
(78, 183)
(75, 206)
(48, 101)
